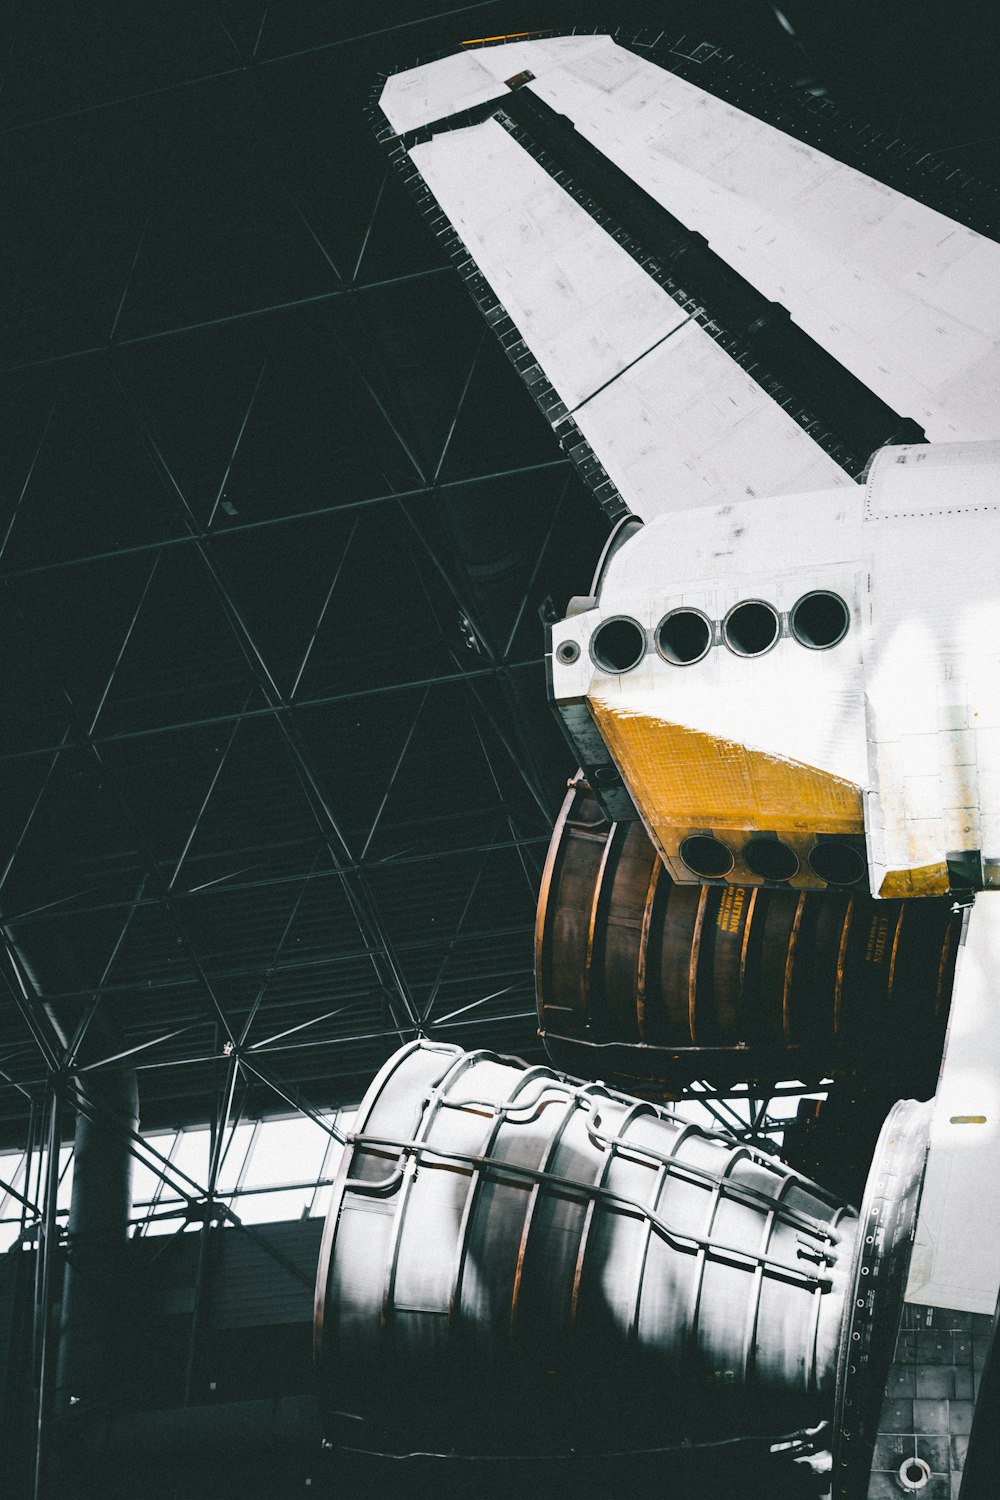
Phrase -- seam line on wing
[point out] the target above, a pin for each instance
(633, 362)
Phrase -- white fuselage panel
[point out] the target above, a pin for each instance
(956, 1251)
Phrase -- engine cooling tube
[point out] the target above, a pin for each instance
(518, 1262)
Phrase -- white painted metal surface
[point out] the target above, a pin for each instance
(437, 89)
(956, 1252)
(683, 425)
(583, 305)
(905, 298)
(734, 744)
(932, 656)
(906, 707)
(793, 703)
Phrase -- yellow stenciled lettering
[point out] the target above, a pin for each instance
(877, 938)
(731, 908)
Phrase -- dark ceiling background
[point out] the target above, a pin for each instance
(278, 530)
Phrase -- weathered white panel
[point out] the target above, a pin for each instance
(582, 304)
(956, 1252)
(686, 427)
(932, 651)
(907, 706)
(975, 390)
(796, 704)
(683, 425)
(538, 56)
(917, 479)
(436, 90)
(905, 298)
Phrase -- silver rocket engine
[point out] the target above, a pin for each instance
(516, 1261)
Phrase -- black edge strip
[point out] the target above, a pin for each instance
(797, 373)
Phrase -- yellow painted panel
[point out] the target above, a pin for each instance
(924, 880)
(681, 777)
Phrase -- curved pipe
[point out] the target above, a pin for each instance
(608, 1255)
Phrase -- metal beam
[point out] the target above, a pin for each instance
(291, 1095)
(79, 1036)
(167, 898)
(347, 290)
(245, 971)
(236, 448)
(325, 606)
(16, 508)
(443, 966)
(365, 910)
(124, 645)
(39, 1024)
(473, 363)
(319, 700)
(329, 1015)
(227, 748)
(8, 1190)
(393, 775)
(187, 83)
(259, 997)
(371, 225)
(43, 1305)
(536, 568)
(239, 528)
(225, 886)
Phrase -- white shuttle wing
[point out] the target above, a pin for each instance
(901, 295)
(719, 319)
(437, 90)
(585, 306)
(641, 373)
(673, 419)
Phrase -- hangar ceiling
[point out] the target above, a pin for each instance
(279, 530)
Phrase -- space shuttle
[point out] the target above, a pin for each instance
(775, 368)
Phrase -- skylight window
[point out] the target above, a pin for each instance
(270, 1170)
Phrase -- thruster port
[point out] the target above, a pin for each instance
(751, 628)
(618, 644)
(683, 636)
(837, 864)
(706, 856)
(770, 859)
(819, 620)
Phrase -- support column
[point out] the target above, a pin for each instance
(107, 1107)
